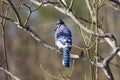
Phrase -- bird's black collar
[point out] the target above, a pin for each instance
(57, 26)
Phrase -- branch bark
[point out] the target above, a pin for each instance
(9, 73)
(104, 65)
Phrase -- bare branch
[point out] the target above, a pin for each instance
(9, 73)
(86, 58)
(9, 19)
(89, 7)
(63, 3)
(111, 56)
(71, 4)
(14, 9)
(29, 14)
(104, 65)
(108, 72)
(106, 61)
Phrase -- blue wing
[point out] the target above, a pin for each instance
(63, 37)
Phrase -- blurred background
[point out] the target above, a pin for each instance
(25, 54)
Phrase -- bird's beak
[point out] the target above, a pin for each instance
(55, 28)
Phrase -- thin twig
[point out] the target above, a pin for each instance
(30, 12)
(71, 4)
(9, 19)
(63, 3)
(9, 73)
(89, 7)
(14, 9)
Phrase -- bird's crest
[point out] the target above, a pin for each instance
(60, 21)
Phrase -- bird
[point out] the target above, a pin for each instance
(63, 40)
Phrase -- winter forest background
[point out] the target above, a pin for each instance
(31, 59)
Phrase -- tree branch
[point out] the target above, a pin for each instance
(71, 4)
(9, 73)
(106, 62)
(104, 65)
(17, 14)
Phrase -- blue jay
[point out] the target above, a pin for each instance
(63, 40)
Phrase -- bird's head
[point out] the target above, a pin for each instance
(59, 22)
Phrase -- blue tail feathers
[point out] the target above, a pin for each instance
(66, 57)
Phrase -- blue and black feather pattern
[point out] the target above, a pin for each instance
(63, 39)
(66, 57)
